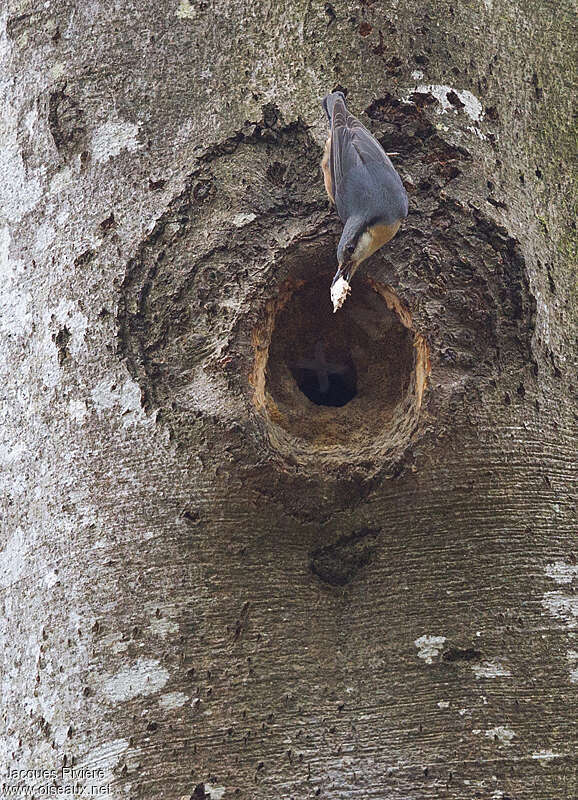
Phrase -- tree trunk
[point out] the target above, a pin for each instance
(225, 572)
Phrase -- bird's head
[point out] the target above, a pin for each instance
(352, 249)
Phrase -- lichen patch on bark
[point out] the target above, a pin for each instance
(146, 676)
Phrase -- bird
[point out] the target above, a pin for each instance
(365, 188)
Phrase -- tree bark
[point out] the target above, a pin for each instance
(213, 584)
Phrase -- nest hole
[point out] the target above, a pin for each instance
(346, 386)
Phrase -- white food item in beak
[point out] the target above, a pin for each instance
(339, 292)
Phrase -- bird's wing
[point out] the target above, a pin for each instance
(352, 146)
(325, 166)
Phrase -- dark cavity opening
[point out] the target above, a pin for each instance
(339, 379)
(326, 378)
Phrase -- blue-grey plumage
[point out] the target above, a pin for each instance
(362, 182)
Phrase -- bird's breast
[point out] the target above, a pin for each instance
(372, 239)
(381, 234)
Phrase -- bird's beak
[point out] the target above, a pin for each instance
(345, 271)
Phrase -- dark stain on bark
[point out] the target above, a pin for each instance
(276, 173)
(61, 340)
(331, 16)
(16, 25)
(454, 99)
(157, 185)
(461, 654)
(66, 121)
(84, 258)
(108, 223)
(241, 624)
(191, 516)
(338, 563)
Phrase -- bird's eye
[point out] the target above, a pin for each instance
(350, 248)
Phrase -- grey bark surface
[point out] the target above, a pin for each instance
(209, 585)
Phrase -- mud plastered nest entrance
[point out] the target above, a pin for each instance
(342, 388)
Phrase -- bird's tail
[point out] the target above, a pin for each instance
(329, 102)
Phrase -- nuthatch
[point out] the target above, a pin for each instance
(367, 191)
